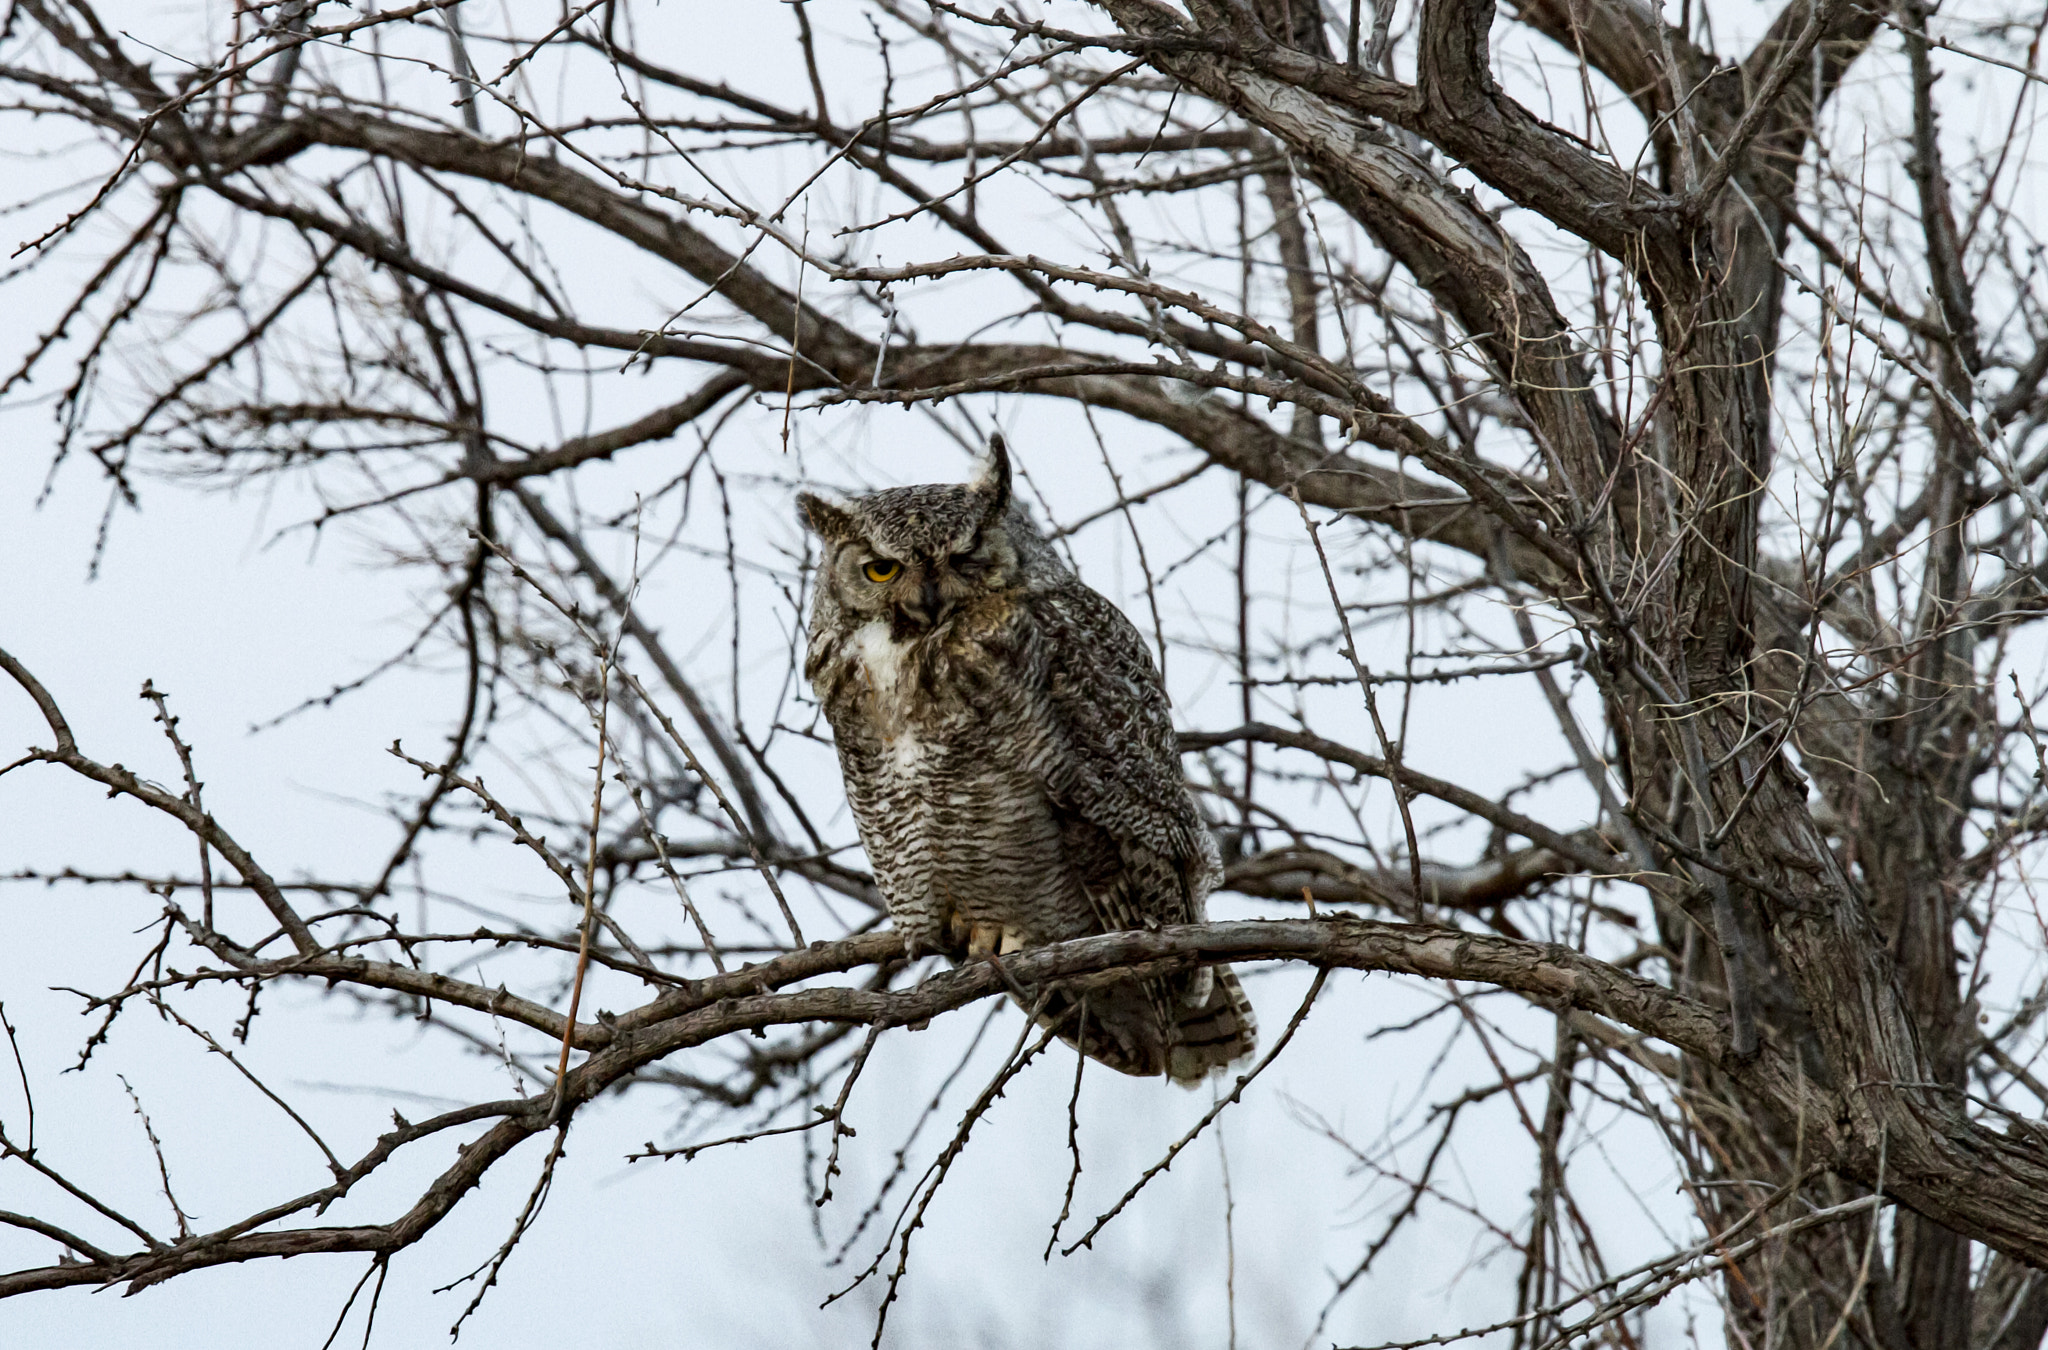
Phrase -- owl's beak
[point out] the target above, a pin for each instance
(931, 608)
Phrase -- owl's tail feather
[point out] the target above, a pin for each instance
(1149, 1027)
(1215, 1035)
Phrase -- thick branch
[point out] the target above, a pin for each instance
(1557, 976)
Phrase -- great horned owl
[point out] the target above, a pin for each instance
(1010, 758)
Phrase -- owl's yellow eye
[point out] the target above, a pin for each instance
(881, 569)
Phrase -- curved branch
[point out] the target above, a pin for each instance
(1437, 232)
(1556, 976)
(1573, 847)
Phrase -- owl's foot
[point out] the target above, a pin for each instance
(993, 939)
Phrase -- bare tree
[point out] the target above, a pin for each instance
(1667, 404)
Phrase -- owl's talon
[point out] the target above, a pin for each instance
(982, 940)
(993, 939)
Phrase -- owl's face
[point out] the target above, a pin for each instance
(913, 556)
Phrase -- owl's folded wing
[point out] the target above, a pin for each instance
(1119, 765)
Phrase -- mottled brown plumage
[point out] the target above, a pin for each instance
(1010, 758)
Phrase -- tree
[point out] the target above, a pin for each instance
(1686, 433)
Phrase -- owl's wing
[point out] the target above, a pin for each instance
(1117, 773)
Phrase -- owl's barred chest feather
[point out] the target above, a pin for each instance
(946, 782)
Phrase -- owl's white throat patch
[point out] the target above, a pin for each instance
(885, 662)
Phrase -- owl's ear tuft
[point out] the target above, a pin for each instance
(992, 478)
(828, 520)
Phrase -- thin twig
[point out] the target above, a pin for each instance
(1243, 1081)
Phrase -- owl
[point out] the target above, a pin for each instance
(1010, 759)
